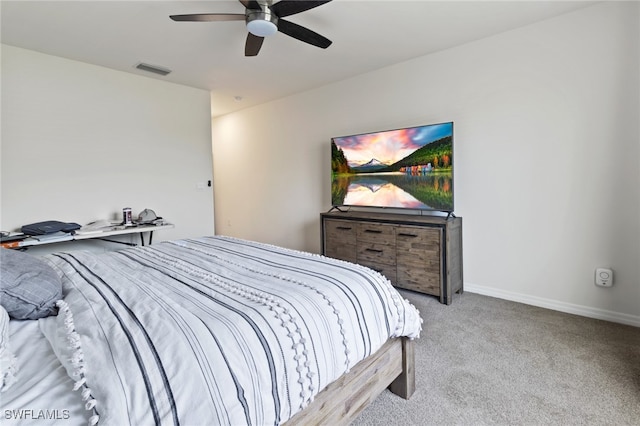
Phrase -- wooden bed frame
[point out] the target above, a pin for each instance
(341, 401)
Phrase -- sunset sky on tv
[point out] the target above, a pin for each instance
(391, 145)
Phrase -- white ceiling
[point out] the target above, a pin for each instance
(366, 35)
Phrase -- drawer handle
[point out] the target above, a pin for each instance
(373, 250)
(373, 231)
(344, 228)
(401, 234)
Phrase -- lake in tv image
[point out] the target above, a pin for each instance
(404, 168)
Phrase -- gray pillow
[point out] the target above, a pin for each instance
(29, 288)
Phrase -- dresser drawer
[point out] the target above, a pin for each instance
(340, 240)
(378, 233)
(413, 238)
(374, 254)
(388, 271)
(421, 250)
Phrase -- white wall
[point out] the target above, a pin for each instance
(546, 154)
(80, 142)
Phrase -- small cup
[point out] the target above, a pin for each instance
(126, 216)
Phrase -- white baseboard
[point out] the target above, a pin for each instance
(585, 311)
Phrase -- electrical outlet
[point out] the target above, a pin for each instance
(604, 277)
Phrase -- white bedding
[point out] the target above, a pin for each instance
(215, 329)
(42, 395)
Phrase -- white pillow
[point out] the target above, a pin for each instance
(8, 362)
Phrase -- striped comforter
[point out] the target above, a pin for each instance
(216, 330)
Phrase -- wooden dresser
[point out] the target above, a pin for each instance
(416, 252)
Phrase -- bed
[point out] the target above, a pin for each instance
(211, 330)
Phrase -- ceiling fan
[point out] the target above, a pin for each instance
(264, 18)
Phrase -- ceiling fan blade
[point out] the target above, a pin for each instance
(209, 17)
(303, 34)
(250, 4)
(252, 45)
(291, 7)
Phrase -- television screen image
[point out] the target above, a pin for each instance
(409, 168)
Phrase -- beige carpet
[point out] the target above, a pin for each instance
(486, 361)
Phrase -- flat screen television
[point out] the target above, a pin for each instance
(409, 168)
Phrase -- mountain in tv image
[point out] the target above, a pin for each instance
(406, 168)
(434, 156)
(373, 165)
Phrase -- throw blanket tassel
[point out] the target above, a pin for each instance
(77, 359)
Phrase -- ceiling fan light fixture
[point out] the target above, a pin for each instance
(262, 28)
(262, 23)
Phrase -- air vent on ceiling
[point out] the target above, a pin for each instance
(153, 68)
